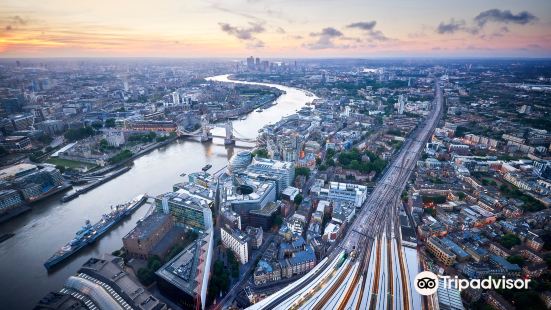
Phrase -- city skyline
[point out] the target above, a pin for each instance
(311, 29)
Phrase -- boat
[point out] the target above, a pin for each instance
(89, 233)
(260, 110)
(206, 167)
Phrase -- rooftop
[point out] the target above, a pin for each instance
(182, 270)
(16, 171)
(147, 226)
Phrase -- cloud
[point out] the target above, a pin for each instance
(505, 16)
(451, 27)
(377, 35)
(255, 44)
(369, 27)
(328, 32)
(363, 25)
(493, 15)
(245, 33)
(498, 33)
(280, 30)
(19, 20)
(15, 22)
(325, 39)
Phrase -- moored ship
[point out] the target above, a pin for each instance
(90, 233)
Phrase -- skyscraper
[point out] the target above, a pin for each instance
(250, 63)
(176, 98)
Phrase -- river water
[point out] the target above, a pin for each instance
(40, 232)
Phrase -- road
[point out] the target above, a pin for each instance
(373, 240)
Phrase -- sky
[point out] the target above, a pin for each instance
(275, 28)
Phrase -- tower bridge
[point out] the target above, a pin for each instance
(205, 132)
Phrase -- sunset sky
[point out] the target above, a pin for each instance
(275, 28)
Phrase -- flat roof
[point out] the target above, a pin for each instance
(181, 271)
(15, 170)
(147, 226)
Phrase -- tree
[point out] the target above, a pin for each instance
(234, 264)
(97, 125)
(302, 171)
(260, 153)
(509, 240)
(329, 153)
(434, 199)
(35, 156)
(110, 123)
(146, 276)
(79, 133)
(298, 199)
(278, 220)
(122, 155)
(516, 259)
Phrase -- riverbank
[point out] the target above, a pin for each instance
(114, 171)
(49, 225)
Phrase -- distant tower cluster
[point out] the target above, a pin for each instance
(255, 64)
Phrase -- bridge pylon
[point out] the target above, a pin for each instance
(230, 139)
(206, 135)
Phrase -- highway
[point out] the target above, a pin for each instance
(375, 274)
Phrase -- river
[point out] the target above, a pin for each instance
(50, 224)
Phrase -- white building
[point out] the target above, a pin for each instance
(344, 192)
(236, 241)
(176, 98)
(283, 171)
(115, 137)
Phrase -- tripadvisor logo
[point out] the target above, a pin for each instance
(427, 283)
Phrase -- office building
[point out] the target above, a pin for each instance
(441, 251)
(9, 199)
(237, 242)
(197, 190)
(264, 217)
(40, 184)
(51, 127)
(296, 258)
(239, 162)
(140, 241)
(448, 298)
(255, 236)
(354, 193)
(185, 278)
(22, 121)
(283, 172)
(151, 125)
(188, 211)
(176, 98)
(249, 195)
(15, 143)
